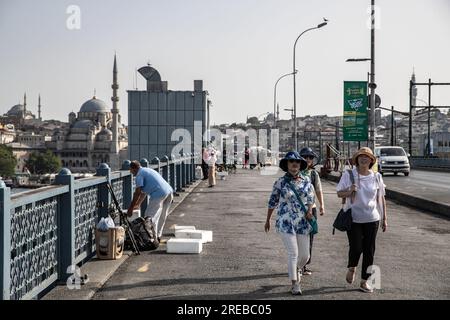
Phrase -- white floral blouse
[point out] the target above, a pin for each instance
(290, 214)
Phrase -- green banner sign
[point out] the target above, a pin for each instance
(355, 111)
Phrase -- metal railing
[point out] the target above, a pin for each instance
(46, 231)
(428, 162)
(335, 160)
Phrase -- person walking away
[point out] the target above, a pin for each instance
(205, 157)
(366, 197)
(293, 195)
(150, 182)
(246, 157)
(309, 155)
(212, 169)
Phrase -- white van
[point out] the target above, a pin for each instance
(392, 159)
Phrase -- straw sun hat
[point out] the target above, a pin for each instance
(364, 151)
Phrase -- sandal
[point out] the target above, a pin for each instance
(364, 287)
(350, 275)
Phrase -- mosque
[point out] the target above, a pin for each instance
(94, 135)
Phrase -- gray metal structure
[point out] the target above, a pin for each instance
(155, 113)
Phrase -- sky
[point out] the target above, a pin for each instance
(239, 48)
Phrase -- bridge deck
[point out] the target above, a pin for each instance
(243, 262)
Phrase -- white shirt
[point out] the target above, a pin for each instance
(212, 160)
(365, 207)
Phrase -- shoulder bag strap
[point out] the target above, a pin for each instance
(296, 194)
(352, 180)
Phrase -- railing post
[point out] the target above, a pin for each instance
(144, 163)
(66, 221)
(103, 194)
(127, 184)
(165, 169)
(184, 171)
(179, 175)
(156, 161)
(5, 240)
(188, 169)
(173, 174)
(193, 166)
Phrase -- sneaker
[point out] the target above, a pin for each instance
(350, 275)
(364, 287)
(296, 290)
(307, 271)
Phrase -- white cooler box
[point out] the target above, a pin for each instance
(175, 245)
(176, 228)
(203, 235)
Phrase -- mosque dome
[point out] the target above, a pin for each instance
(83, 124)
(94, 105)
(16, 110)
(105, 131)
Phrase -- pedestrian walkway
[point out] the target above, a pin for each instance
(243, 262)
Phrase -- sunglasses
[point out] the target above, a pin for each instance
(309, 157)
(293, 160)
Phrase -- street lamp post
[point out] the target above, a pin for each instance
(208, 118)
(392, 126)
(275, 97)
(372, 84)
(294, 72)
(292, 112)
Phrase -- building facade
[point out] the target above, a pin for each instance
(155, 114)
(7, 133)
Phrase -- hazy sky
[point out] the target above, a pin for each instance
(238, 47)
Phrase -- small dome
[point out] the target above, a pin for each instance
(94, 105)
(83, 124)
(105, 131)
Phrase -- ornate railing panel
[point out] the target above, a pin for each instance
(86, 207)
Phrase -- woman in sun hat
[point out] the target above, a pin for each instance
(366, 199)
(293, 214)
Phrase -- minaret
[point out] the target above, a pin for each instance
(414, 88)
(115, 111)
(24, 105)
(39, 108)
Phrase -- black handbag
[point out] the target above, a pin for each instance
(343, 221)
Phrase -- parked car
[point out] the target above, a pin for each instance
(392, 159)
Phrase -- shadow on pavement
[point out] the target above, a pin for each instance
(262, 293)
(184, 281)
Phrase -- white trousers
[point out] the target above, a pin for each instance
(157, 210)
(297, 246)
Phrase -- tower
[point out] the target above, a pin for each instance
(414, 88)
(115, 119)
(24, 105)
(39, 108)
